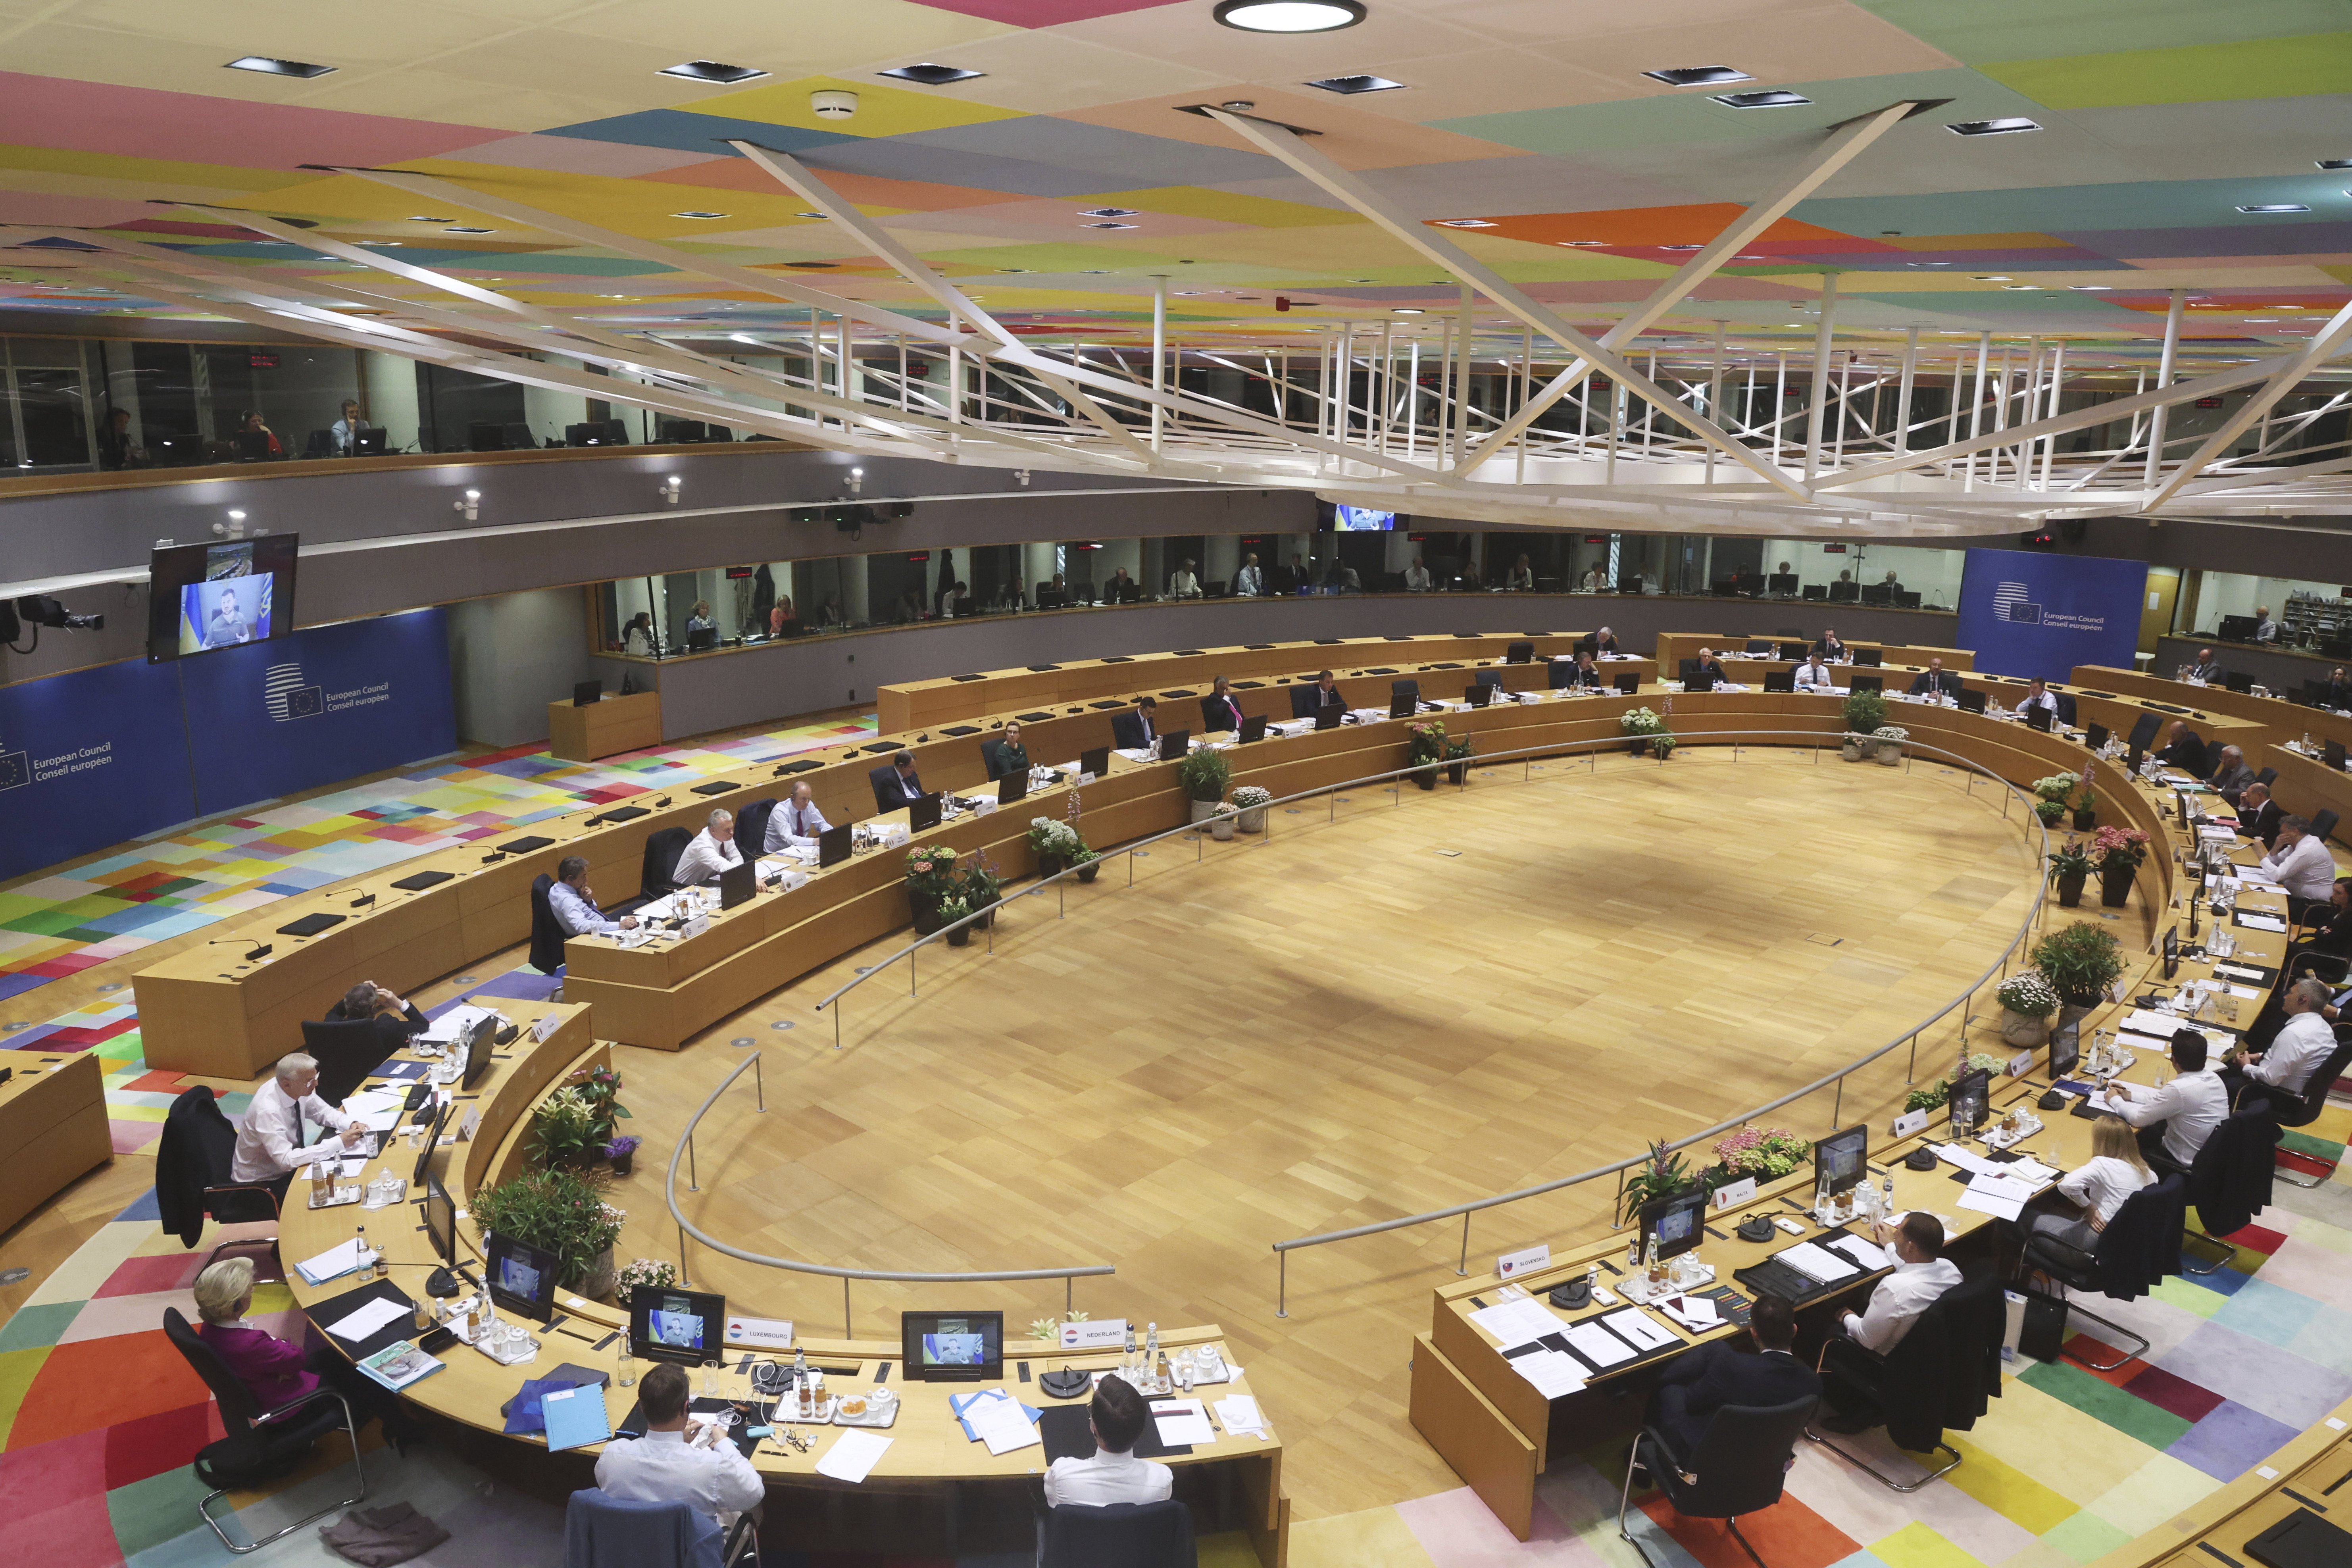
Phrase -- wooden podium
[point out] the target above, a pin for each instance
(602, 729)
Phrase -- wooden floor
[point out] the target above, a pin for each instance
(1403, 1009)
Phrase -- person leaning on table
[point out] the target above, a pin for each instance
(1111, 1473)
(274, 1137)
(2174, 1121)
(678, 1459)
(795, 824)
(709, 852)
(394, 1019)
(2037, 695)
(2184, 749)
(2115, 1170)
(2232, 777)
(2301, 864)
(1584, 672)
(2258, 814)
(574, 904)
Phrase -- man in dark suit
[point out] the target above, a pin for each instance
(1219, 710)
(2232, 777)
(1133, 732)
(1829, 648)
(1708, 675)
(1935, 681)
(394, 1019)
(1327, 692)
(2258, 815)
(894, 783)
(1601, 642)
(1586, 672)
(1699, 1383)
(2184, 749)
(2339, 690)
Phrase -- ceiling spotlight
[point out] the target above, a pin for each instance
(711, 70)
(1289, 16)
(461, 228)
(1354, 84)
(2019, 288)
(1107, 212)
(2275, 207)
(1093, 272)
(820, 216)
(1408, 311)
(268, 66)
(697, 215)
(2008, 127)
(931, 75)
(1772, 99)
(421, 219)
(1579, 243)
(1463, 223)
(1109, 226)
(1184, 290)
(1698, 76)
(1239, 105)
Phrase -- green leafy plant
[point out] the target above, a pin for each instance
(2070, 859)
(952, 911)
(1931, 1096)
(2058, 788)
(1661, 1177)
(2118, 849)
(1664, 744)
(2080, 963)
(1457, 750)
(1059, 839)
(1425, 741)
(564, 1129)
(558, 1211)
(1865, 711)
(1204, 774)
(2027, 994)
(601, 1088)
(978, 885)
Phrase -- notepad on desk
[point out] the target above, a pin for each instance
(853, 1456)
(1516, 1324)
(1597, 1345)
(333, 1264)
(576, 1418)
(1817, 1263)
(1182, 1423)
(1998, 1196)
(1552, 1373)
(363, 1324)
(1636, 1329)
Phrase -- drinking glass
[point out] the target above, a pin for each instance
(710, 1379)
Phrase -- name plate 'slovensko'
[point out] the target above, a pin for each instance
(1524, 1262)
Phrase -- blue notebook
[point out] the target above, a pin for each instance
(576, 1418)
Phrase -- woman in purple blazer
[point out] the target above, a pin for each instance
(274, 1370)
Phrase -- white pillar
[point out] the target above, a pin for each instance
(2164, 379)
(1822, 335)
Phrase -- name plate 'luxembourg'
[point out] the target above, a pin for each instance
(763, 1334)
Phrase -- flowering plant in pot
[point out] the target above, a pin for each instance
(2070, 867)
(930, 877)
(1766, 1154)
(951, 910)
(1056, 845)
(1251, 802)
(2080, 963)
(622, 1152)
(1643, 726)
(1931, 1096)
(2052, 795)
(1890, 739)
(2026, 1002)
(2117, 852)
(645, 1274)
(1457, 760)
(600, 1086)
(1661, 1177)
(563, 1130)
(1221, 826)
(1425, 742)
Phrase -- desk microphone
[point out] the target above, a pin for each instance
(259, 954)
(494, 857)
(364, 901)
(662, 801)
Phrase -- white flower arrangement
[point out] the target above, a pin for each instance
(1249, 797)
(1890, 732)
(2028, 992)
(1048, 836)
(1640, 721)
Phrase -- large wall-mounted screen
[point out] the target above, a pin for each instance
(224, 593)
(1364, 520)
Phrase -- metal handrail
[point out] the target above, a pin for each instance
(685, 1150)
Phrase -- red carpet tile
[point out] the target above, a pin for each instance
(97, 1382)
(2085, 1349)
(154, 1444)
(1787, 1535)
(2165, 1391)
(78, 1533)
(2254, 1237)
(147, 1276)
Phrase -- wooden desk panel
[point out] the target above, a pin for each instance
(606, 728)
(1675, 647)
(53, 1124)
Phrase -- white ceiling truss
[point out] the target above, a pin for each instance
(1611, 438)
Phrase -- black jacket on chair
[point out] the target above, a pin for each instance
(1941, 1375)
(2141, 1245)
(348, 1048)
(193, 1152)
(547, 936)
(1130, 731)
(889, 794)
(1220, 714)
(2231, 1179)
(1716, 1375)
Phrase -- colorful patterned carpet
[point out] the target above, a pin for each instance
(98, 1419)
(54, 926)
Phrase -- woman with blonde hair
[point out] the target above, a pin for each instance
(274, 1371)
(2115, 1172)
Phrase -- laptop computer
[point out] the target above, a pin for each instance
(1404, 707)
(2333, 752)
(1253, 728)
(736, 884)
(1864, 683)
(1972, 700)
(2038, 716)
(1012, 786)
(2094, 736)
(1479, 695)
(1096, 761)
(923, 812)
(1630, 682)
(832, 847)
(1779, 680)
(1173, 745)
(1328, 717)
(1868, 658)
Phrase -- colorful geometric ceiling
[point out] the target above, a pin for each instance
(1528, 122)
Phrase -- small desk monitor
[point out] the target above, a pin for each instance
(1970, 1098)
(1012, 786)
(2333, 752)
(1781, 584)
(1253, 729)
(738, 884)
(1677, 1221)
(832, 847)
(1097, 761)
(923, 812)
(1838, 1158)
(2132, 763)
(587, 694)
(2065, 1048)
(1630, 682)
(1867, 658)
(683, 1326)
(424, 1156)
(1328, 716)
(1478, 695)
(477, 1048)
(1404, 707)
(522, 1279)
(2094, 736)
(1780, 680)
(441, 1230)
(1173, 745)
(952, 1347)
(1972, 700)
(1866, 683)
(2038, 717)
(2172, 953)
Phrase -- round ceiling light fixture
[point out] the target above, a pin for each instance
(1289, 16)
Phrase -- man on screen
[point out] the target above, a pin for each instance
(681, 1330)
(946, 1349)
(227, 626)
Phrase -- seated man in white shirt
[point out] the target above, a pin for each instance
(795, 824)
(678, 1460)
(709, 852)
(2038, 695)
(1921, 1274)
(2174, 1121)
(1182, 583)
(1416, 577)
(575, 906)
(278, 1134)
(2303, 1042)
(2301, 864)
(1815, 674)
(1112, 1473)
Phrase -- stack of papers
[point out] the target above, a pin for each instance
(853, 1456)
(2254, 920)
(996, 1419)
(364, 1323)
(1516, 1324)
(2000, 1196)
(333, 1264)
(1552, 1373)
(1182, 1422)
(1636, 1329)
(1240, 1413)
(1597, 1345)
(1817, 1263)
(450, 1024)
(1697, 1313)
(1869, 1254)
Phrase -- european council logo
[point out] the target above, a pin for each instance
(2009, 604)
(283, 693)
(15, 768)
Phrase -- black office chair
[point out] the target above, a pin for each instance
(546, 934)
(261, 1445)
(347, 1049)
(2066, 707)
(992, 751)
(192, 1160)
(1117, 1535)
(2323, 823)
(2213, 758)
(2140, 1246)
(657, 877)
(1937, 1378)
(1490, 678)
(594, 1522)
(1519, 653)
(751, 828)
(1740, 1465)
(2304, 1111)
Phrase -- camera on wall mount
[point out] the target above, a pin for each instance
(37, 611)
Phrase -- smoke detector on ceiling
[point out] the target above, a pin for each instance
(834, 104)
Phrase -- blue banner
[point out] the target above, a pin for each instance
(2024, 612)
(89, 759)
(327, 704)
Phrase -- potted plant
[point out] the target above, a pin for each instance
(1251, 803)
(1643, 726)
(980, 886)
(1663, 744)
(601, 1088)
(645, 1274)
(2080, 963)
(622, 1152)
(561, 1212)
(1089, 865)
(1221, 826)
(1890, 739)
(1864, 713)
(1457, 760)
(930, 877)
(951, 910)
(1661, 1177)
(563, 1130)
(2070, 867)
(2117, 852)
(1425, 743)
(1766, 1154)
(2026, 1002)
(1056, 845)
(1205, 776)
(2052, 795)
(2085, 818)
(1931, 1096)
